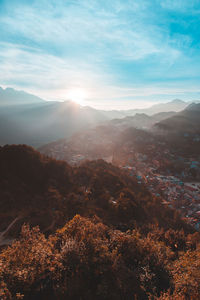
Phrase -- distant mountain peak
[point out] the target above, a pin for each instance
(9, 89)
(10, 96)
(177, 101)
(193, 106)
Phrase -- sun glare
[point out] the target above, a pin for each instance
(77, 95)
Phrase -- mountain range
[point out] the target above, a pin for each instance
(141, 120)
(184, 122)
(28, 119)
(10, 96)
(180, 132)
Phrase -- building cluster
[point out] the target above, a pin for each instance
(176, 189)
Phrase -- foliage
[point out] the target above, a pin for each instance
(123, 244)
(84, 259)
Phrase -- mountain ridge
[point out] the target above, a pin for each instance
(37, 122)
(10, 96)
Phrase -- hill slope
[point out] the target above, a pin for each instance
(41, 123)
(125, 243)
(187, 121)
(43, 191)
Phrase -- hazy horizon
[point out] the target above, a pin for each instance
(130, 106)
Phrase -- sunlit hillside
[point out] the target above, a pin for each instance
(122, 241)
(99, 150)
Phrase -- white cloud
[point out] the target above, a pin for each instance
(45, 74)
(75, 45)
(180, 5)
(99, 31)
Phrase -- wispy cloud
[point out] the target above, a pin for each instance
(114, 49)
(181, 5)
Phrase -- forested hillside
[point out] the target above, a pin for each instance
(41, 190)
(101, 235)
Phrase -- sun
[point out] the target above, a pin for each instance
(77, 95)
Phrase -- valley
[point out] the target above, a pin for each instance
(105, 198)
(99, 150)
(168, 163)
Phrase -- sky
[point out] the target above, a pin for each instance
(115, 54)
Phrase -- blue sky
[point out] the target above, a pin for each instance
(119, 53)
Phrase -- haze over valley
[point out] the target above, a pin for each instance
(28, 119)
(99, 150)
